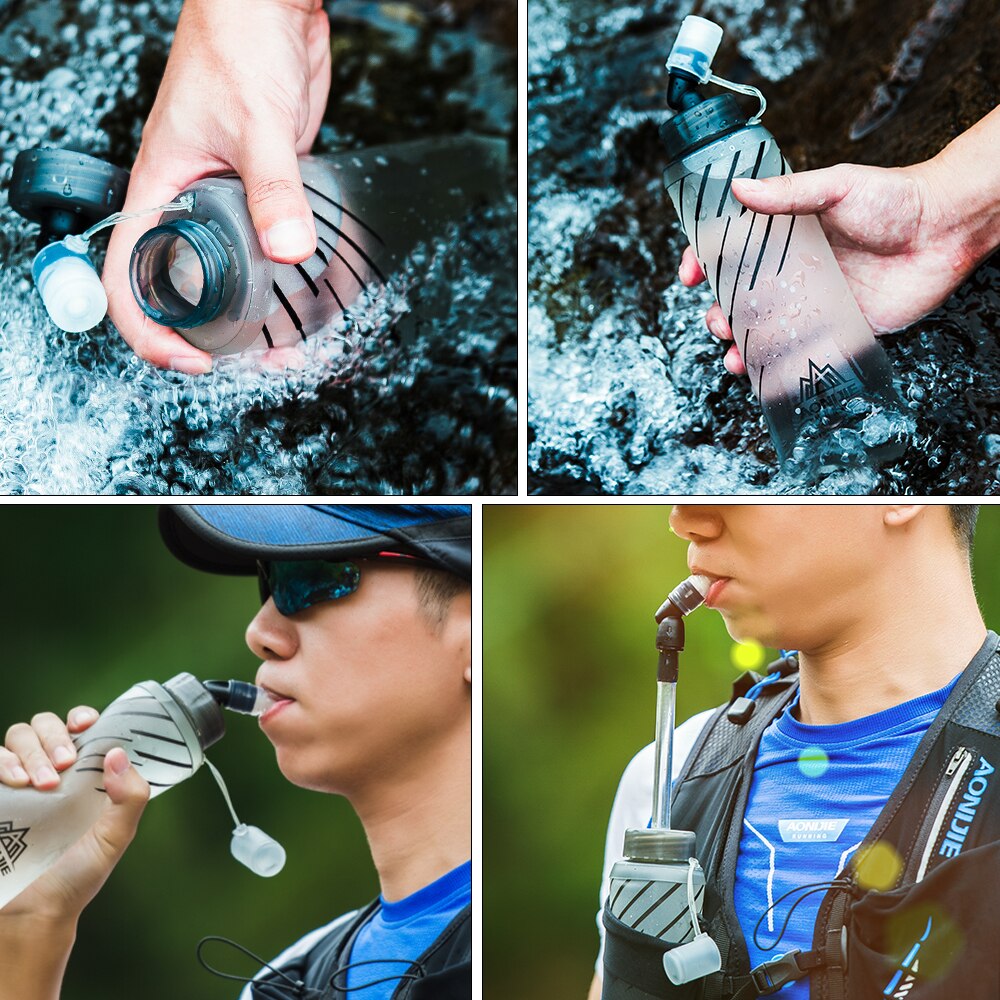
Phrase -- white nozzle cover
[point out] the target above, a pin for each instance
(694, 960)
(695, 47)
(70, 287)
(700, 583)
(262, 854)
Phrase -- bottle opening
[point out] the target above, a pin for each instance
(179, 273)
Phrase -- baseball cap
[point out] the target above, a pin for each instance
(231, 538)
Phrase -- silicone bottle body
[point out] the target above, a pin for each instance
(165, 730)
(371, 209)
(809, 352)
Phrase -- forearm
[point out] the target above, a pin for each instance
(966, 177)
(33, 957)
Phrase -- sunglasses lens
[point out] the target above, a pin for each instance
(296, 586)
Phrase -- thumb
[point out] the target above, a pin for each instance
(128, 792)
(808, 193)
(277, 200)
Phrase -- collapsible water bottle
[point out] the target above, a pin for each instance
(811, 356)
(204, 273)
(165, 730)
(657, 890)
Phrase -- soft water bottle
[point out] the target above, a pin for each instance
(204, 274)
(164, 728)
(811, 356)
(657, 890)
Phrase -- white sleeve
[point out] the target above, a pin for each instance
(633, 803)
(304, 944)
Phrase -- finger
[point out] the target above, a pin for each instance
(55, 739)
(149, 186)
(128, 792)
(733, 362)
(275, 196)
(318, 49)
(80, 718)
(690, 271)
(11, 772)
(715, 320)
(807, 193)
(23, 742)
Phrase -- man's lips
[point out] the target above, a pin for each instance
(715, 588)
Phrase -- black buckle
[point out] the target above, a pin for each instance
(741, 710)
(769, 977)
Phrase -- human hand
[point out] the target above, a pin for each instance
(34, 754)
(901, 244)
(244, 89)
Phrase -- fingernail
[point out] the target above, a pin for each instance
(119, 763)
(749, 185)
(19, 774)
(62, 755)
(45, 775)
(82, 717)
(290, 238)
(717, 327)
(190, 365)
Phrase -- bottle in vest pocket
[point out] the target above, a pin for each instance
(658, 890)
(812, 359)
(164, 728)
(204, 272)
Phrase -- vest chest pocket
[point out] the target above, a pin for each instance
(933, 940)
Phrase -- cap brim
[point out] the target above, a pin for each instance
(232, 538)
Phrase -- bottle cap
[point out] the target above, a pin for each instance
(201, 708)
(692, 961)
(659, 845)
(695, 47)
(705, 122)
(262, 854)
(70, 288)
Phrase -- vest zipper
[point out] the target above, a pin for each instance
(945, 795)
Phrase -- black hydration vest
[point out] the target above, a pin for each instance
(933, 933)
(442, 972)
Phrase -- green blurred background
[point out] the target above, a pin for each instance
(569, 688)
(93, 603)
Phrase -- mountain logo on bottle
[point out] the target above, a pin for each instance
(12, 846)
(825, 385)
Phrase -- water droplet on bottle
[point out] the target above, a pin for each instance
(67, 189)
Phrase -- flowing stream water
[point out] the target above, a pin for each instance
(627, 393)
(414, 391)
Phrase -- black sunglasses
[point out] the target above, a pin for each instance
(297, 585)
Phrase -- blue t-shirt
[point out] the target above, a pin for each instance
(815, 794)
(399, 933)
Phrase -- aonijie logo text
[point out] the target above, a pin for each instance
(899, 987)
(954, 839)
(12, 845)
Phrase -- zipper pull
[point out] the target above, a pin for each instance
(955, 761)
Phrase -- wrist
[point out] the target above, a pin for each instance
(965, 185)
(34, 951)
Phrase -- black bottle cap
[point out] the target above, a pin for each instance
(687, 131)
(199, 706)
(65, 191)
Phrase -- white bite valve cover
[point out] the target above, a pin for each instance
(692, 961)
(262, 854)
(695, 47)
(70, 287)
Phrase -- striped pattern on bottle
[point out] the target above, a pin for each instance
(657, 908)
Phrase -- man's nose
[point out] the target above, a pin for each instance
(695, 522)
(271, 636)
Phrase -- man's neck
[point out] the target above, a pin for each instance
(419, 820)
(910, 642)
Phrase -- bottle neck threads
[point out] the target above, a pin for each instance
(181, 274)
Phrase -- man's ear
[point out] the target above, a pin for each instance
(899, 515)
(457, 631)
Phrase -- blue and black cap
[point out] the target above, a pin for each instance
(233, 538)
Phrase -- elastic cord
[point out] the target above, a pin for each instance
(812, 887)
(225, 791)
(692, 865)
(403, 977)
(297, 986)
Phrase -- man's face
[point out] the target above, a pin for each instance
(376, 689)
(793, 574)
